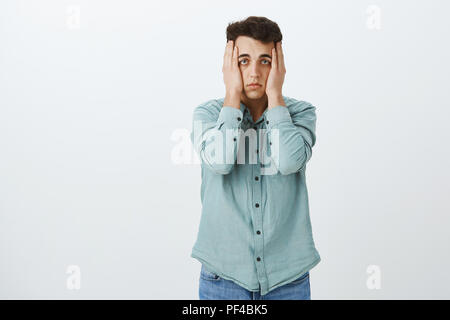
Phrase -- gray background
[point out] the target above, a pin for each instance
(90, 104)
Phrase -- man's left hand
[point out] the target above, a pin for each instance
(276, 77)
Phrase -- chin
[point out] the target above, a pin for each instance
(255, 94)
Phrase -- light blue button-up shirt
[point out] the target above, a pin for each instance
(255, 228)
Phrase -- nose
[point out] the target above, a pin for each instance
(254, 71)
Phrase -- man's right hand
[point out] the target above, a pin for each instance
(232, 76)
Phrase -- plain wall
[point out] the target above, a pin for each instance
(94, 96)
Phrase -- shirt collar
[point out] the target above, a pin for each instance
(245, 111)
(243, 108)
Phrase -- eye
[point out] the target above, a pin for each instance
(240, 62)
(267, 62)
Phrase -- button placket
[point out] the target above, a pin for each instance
(258, 226)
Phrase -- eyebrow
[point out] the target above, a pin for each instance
(264, 55)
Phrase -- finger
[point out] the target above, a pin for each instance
(225, 51)
(227, 54)
(274, 59)
(235, 55)
(280, 57)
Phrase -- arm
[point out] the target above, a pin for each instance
(211, 133)
(291, 131)
(294, 138)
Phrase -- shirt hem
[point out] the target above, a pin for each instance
(306, 269)
(201, 257)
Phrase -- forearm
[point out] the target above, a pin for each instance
(275, 100)
(232, 99)
(290, 143)
(217, 142)
(288, 148)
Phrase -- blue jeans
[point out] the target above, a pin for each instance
(213, 287)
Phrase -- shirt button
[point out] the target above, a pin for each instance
(258, 259)
(257, 150)
(234, 139)
(270, 142)
(258, 232)
(257, 205)
(239, 118)
(256, 178)
(267, 121)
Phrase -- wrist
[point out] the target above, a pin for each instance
(275, 95)
(275, 100)
(232, 99)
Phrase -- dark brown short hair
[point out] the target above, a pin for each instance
(258, 28)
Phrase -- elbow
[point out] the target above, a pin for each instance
(290, 167)
(222, 169)
(215, 163)
(219, 167)
(295, 163)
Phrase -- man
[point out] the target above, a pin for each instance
(254, 239)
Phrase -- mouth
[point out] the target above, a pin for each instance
(254, 85)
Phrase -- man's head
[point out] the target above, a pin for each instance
(255, 37)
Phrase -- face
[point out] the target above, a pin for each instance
(255, 59)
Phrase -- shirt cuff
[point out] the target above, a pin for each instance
(230, 117)
(276, 115)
